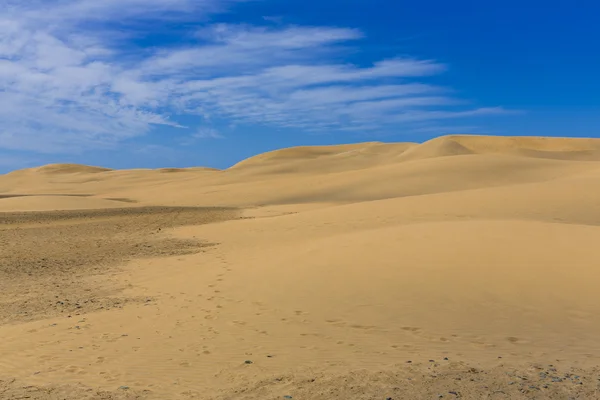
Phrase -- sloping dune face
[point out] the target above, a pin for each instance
(465, 266)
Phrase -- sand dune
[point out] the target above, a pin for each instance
(69, 169)
(335, 267)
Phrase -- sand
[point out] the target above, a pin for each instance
(463, 267)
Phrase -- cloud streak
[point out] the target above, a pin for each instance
(67, 84)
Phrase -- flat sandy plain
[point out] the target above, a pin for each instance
(464, 267)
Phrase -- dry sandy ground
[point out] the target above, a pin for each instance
(465, 267)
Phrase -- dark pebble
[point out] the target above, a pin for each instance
(123, 387)
(445, 358)
(248, 362)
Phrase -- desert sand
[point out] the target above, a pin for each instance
(463, 267)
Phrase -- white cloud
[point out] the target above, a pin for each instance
(277, 19)
(69, 82)
(207, 133)
(76, 11)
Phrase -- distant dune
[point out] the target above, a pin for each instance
(462, 267)
(319, 174)
(69, 169)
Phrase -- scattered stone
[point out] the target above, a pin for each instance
(124, 387)
(454, 393)
(248, 362)
(445, 358)
(287, 397)
(408, 362)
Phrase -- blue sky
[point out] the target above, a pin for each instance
(157, 83)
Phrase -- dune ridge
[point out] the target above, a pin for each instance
(452, 145)
(69, 169)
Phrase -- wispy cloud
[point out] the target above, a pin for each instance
(67, 84)
(276, 19)
(207, 133)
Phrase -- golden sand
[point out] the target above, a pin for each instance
(463, 267)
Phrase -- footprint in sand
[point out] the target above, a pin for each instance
(72, 369)
(516, 340)
(411, 329)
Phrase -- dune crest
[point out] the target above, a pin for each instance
(576, 149)
(69, 169)
(300, 153)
